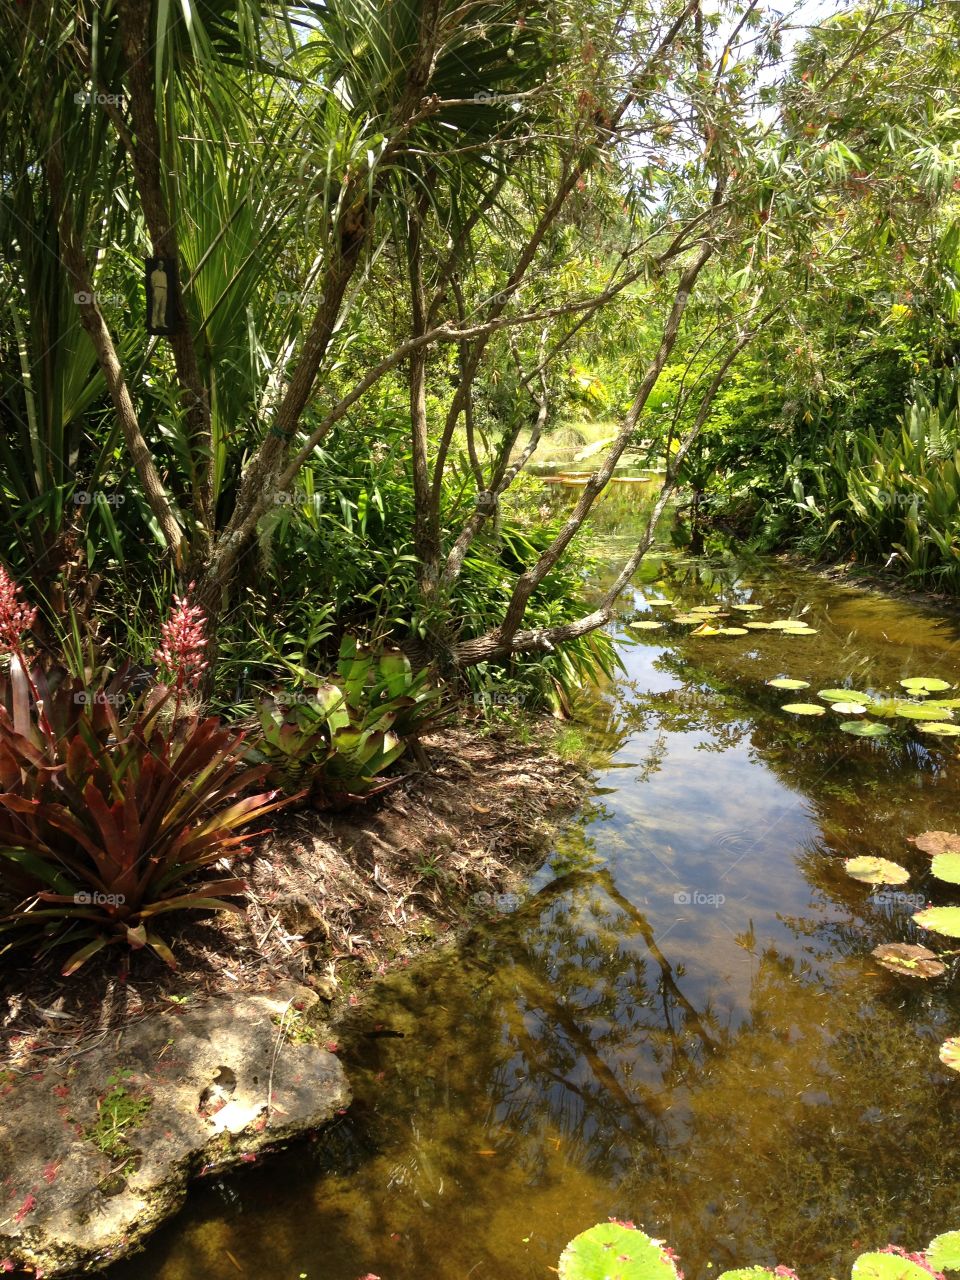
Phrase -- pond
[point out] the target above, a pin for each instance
(680, 1023)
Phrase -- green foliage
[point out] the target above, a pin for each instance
(119, 1113)
(114, 812)
(332, 741)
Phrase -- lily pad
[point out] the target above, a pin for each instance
(779, 624)
(934, 842)
(941, 729)
(865, 728)
(748, 608)
(943, 1251)
(707, 608)
(945, 920)
(784, 682)
(660, 604)
(748, 1273)
(950, 1057)
(884, 707)
(732, 631)
(910, 960)
(924, 684)
(705, 629)
(922, 711)
(804, 709)
(687, 617)
(848, 708)
(645, 624)
(611, 1251)
(869, 870)
(887, 1266)
(758, 626)
(843, 695)
(946, 867)
(798, 631)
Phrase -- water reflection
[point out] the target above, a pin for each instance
(681, 1023)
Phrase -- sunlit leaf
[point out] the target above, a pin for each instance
(784, 682)
(870, 870)
(946, 866)
(865, 729)
(804, 709)
(645, 624)
(843, 695)
(848, 708)
(940, 729)
(887, 1266)
(950, 1057)
(943, 1251)
(945, 920)
(612, 1251)
(924, 684)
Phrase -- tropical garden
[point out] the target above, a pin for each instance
(376, 371)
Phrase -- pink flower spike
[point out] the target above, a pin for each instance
(183, 639)
(15, 617)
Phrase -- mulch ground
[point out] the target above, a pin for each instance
(334, 899)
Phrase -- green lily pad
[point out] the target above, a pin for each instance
(952, 703)
(660, 604)
(887, 1266)
(865, 729)
(687, 618)
(732, 631)
(758, 626)
(910, 960)
(848, 708)
(945, 920)
(924, 684)
(934, 842)
(784, 682)
(941, 729)
(798, 631)
(946, 867)
(843, 695)
(884, 707)
(707, 608)
(922, 711)
(950, 1057)
(943, 1251)
(645, 624)
(611, 1251)
(803, 709)
(748, 608)
(869, 870)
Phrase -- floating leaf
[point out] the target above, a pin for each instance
(798, 631)
(865, 729)
(887, 1266)
(784, 682)
(687, 617)
(748, 608)
(848, 708)
(779, 624)
(924, 684)
(934, 842)
(952, 703)
(843, 695)
(707, 608)
(905, 958)
(870, 870)
(885, 707)
(758, 626)
(946, 866)
(941, 729)
(732, 631)
(943, 1251)
(706, 630)
(804, 709)
(945, 920)
(611, 1251)
(645, 624)
(660, 604)
(922, 711)
(950, 1057)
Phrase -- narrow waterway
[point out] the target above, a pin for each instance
(681, 1022)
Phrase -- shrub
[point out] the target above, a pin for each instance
(113, 813)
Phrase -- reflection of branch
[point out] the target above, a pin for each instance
(642, 926)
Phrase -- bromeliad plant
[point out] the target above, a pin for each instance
(619, 1251)
(335, 740)
(111, 813)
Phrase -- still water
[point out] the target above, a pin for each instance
(681, 1023)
